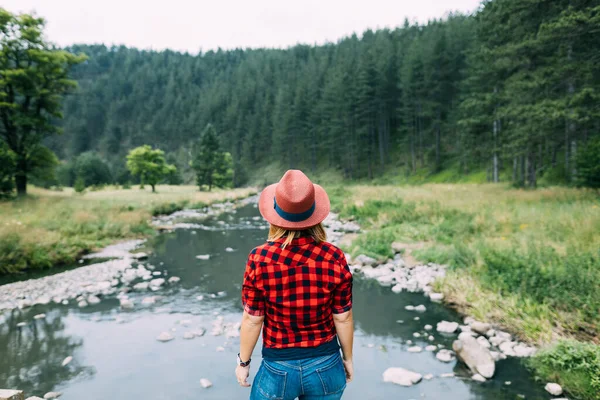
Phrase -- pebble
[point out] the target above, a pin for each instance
(21, 324)
(445, 356)
(436, 297)
(205, 383)
(554, 389)
(414, 349)
(229, 250)
(447, 327)
(416, 318)
(66, 361)
(447, 375)
(52, 395)
(174, 279)
(126, 304)
(189, 335)
(417, 334)
(200, 298)
(428, 327)
(409, 308)
(431, 338)
(399, 321)
(164, 337)
(39, 316)
(428, 377)
(431, 348)
(420, 308)
(82, 304)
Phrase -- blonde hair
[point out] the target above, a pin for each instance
(317, 232)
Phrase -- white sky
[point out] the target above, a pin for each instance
(188, 25)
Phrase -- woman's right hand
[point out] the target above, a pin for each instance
(349, 368)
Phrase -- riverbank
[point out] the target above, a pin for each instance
(52, 228)
(527, 261)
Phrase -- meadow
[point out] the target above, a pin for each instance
(50, 228)
(527, 260)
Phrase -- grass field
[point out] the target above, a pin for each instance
(527, 260)
(55, 227)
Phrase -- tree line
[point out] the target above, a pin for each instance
(511, 92)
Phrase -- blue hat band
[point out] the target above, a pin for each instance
(294, 217)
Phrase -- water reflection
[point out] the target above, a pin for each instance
(32, 354)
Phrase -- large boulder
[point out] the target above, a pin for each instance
(481, 327)
(401, 376)
(11, 394)
(554, 389)
(476, 357)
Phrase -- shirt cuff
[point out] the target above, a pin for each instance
(340, 310)
(253, 311)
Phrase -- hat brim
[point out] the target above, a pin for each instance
(265, 206)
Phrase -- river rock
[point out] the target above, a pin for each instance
(147, 301)
(189, 335)
(428, 327)
(436, 297)
(155, 284)
(497, 340)
(34, 398)
(431, 347)
(483, 342)
(67, 361)
(447, 327)
(416, 334)
(507, 348)
(481, 327)
(365, 260)
(199, 332)
(126, 304)
(414, 349)
(476, 357)
(52, 395)
(141, 286)
(205, 383)
(204, 257)
(522, 350)
(92, 299)
(401, 376)
(174, 279)
(445, 356)
(229, 250)
(447, 375)
(164, 337)
(478, 378)
(39, 316)
(397, 288)
(7, 394)
(386, 280)
(409, 308)
(428, 377)
(554, 389)
(420, 308)
(490, 333)
(82, 304)
(139, 256)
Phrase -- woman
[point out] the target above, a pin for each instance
(300, 288)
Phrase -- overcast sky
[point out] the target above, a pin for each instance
(188, 25)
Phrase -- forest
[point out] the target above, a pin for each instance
(511, 94)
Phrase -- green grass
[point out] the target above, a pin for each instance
(572, 364)
(50, 228)
(528, 260)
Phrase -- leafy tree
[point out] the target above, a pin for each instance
(92, 169)
(42, 166)
(33, 78)
(7, 165)
(149, 164)
(213, 167)
(588, 164)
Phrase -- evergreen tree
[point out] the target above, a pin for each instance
(213, 167)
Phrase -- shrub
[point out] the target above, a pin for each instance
(79, 185)
(572, 364)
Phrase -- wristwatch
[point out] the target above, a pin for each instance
(242, 363)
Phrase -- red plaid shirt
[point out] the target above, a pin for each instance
(297, 289)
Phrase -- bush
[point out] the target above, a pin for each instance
(7, 171)
(169, 208)
(572, 364)
(79, 185)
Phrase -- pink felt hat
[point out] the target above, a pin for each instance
(294, 203)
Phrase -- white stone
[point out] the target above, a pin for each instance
(93, 299)
(229, 249)
(139, 256)
(189, 335)
(141, 286)
(431, 338)
(82, 304)
(465, 334)
(205, 383)
(39, 316)
(174, 279)
(200, 298)
(507, 348)
(490, 333)
(428, 377)
(397, 288)
(164, 337)
(417, 334)
(445, 355)
(447, 375)
(156, 283)
(447, 327)
(554, 389)
(480, 327)
(414, 349)
(199, 332)
(478, 378)
(420, 308)
(203, 257)
(484, 342)
(34, 398)
(409, 308)
(431, 347)
(522, 350)
(401, 376)
(149, 300)
(52, 395)
(436, 297)
(66, 361)
(365, 260)
(476, 357)
(126, 304)
(428, 327)
(497, 340)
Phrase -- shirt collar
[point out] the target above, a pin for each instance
(301, 241)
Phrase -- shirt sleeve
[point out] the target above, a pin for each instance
(342, 295)
(253, 299)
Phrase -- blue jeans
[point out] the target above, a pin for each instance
(319, 378)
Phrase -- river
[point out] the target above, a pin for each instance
(116, 355)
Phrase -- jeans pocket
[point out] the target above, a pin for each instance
(271, 383)
(333, 377)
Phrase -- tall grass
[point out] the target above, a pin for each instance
(528, 260)
(49, 228)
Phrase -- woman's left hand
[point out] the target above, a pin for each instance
(242, 373)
